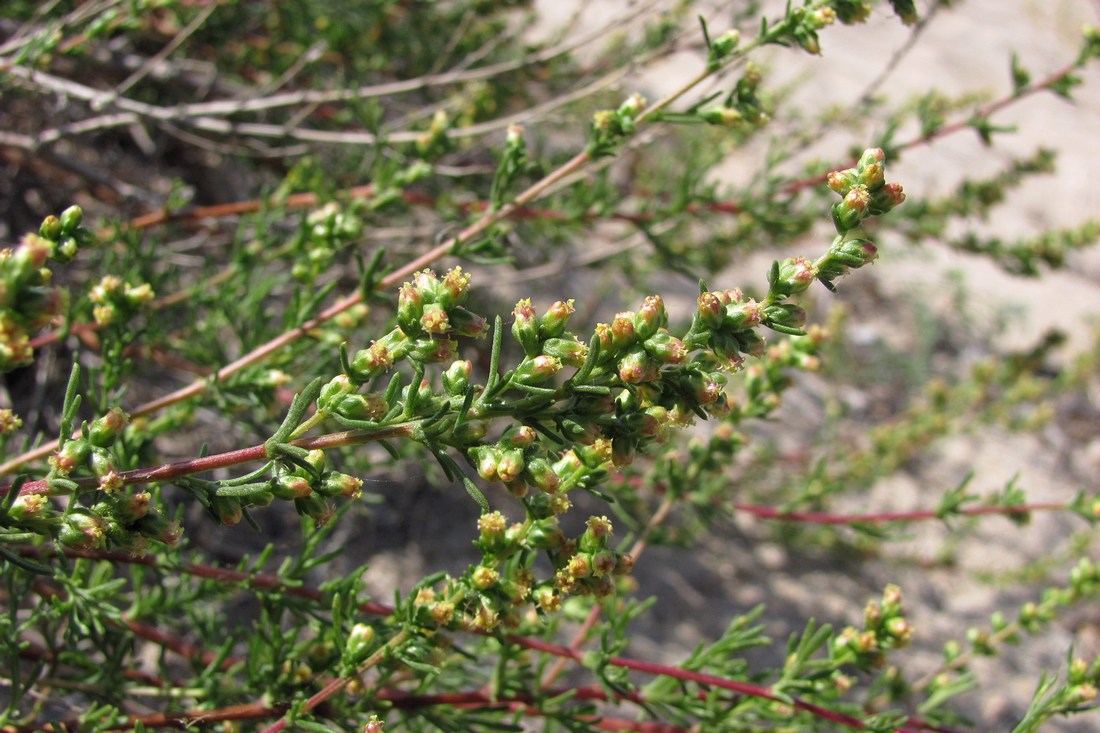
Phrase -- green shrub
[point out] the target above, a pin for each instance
(223, 424)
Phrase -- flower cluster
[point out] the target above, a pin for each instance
(27, 302)
(430, 315)
(807, 22)
(117, 518)
(309, 484)
(742, 106)
(885, 627)
(493, 592)
(865, 190)
(328, 229)
(610, 127)
(116, 301)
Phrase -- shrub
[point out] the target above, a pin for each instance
(635, 438)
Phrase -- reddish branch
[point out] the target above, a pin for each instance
(191, 466)
(1016, 510)
(270, 582)
(201, 570)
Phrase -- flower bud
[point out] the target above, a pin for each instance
(136, 295)
(227, 509)
(70, 219)
(336, 388)
(785, 314)
(315, 507)
(891, 600)
(50, 228)
(633, 105)
(544, 534)
(741, 316)
(469, 431)
(706, 389)
(724, 44)
(374, 360)
(900, 630)
(287, 487)
(434, 319)
(536, 370)
(104, 431)
(427, 282)
(82, 531)
(1082, 694)
(852, 210)
(867, 642)
(871, 157)
(67, 248)
(603, 333)
(886, 198)
(636, 367)
(665, 348)
(655, 424)
(622, 331)
(433, 351)
(540, 473)
(595, 455)
(410, 306)
(491, 526)
(485, 459)
(553, 322)
(24, 265)
(856, 252)
(484, 578)
(569, 351)
(510, 464)
(360, 642)
(29, 506)
(710, 309)
(721, 115)
(71, 455)
(9, 421)
(334, 483)
(651, 317)
(597, 530)
(822, 17)
(808, 41)
(456, 380)
(454, 289)
(525, 329)
(518, 436)
(467, 323)
(791, 276)
(843, 181)
(1078, 671)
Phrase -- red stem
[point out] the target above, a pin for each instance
(172, 471)
(378, 609)
(766, 512)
